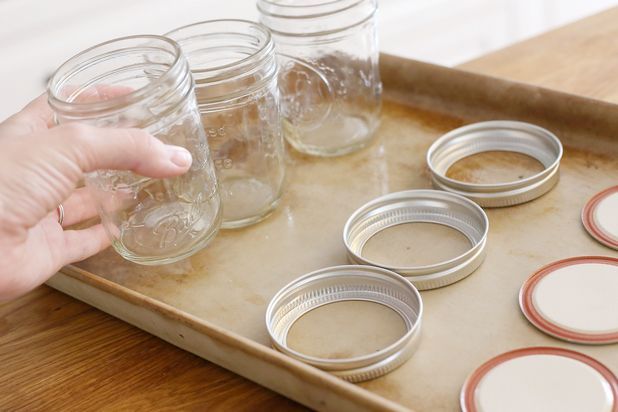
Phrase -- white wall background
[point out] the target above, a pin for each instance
(38, 35)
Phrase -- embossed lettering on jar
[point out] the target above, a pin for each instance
(235, 70)
(329, 80)
(143, 82)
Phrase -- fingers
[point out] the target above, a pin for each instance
(40, 171)
(36, 116)
(81, 244)
(78, 207)
(93, 148)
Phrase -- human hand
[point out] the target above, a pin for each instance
(40, 167)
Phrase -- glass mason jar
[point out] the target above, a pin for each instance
(143, 82)
(329, 76)
(234, 66)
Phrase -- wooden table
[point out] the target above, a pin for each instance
(58, 353)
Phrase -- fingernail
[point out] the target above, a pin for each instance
(180, 156)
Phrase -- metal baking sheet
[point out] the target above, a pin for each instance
(213, 304)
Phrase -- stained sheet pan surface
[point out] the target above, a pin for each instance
(214, 303)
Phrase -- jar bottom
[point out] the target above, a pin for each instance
(340, 136)
(210, 227)
(246, 201)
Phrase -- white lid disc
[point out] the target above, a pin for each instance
(541, 379)
(574, 299)
(600, 217)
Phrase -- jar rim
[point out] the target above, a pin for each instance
(264, 49)
(56, 81)
(305, 6)
(346, 6)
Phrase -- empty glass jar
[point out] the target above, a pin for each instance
(143, 82)
(235, 70)
(329, 75)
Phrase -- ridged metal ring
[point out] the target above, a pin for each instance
(499, 135)
(348, 283)
(426, 206)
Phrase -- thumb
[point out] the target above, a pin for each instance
(91, 148)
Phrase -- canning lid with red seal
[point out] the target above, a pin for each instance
(541, 379)
(600, 217)
(574, 299)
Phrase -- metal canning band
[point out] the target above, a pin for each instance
(428, 206)
(345, 283)
(499, 135)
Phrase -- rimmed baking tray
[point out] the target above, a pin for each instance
(214, 304)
